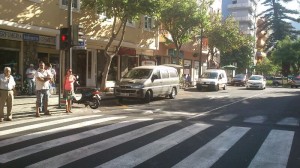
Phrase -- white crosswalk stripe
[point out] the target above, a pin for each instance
(142, 154)
(39, 125)
(212, 151)
(273, 152)
(74, 155)
(56, 130)
(291, 121)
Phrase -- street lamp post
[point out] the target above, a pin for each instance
(200, 53)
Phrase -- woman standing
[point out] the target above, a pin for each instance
(7, 84)
(69, 89)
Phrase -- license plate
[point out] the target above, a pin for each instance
(124, 94)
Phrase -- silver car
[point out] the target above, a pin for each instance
(295, 82)
(256, 82)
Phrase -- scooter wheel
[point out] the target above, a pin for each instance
(94, 104)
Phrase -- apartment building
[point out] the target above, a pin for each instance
(29, 32)
(244, 11)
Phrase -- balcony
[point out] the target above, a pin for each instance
(248, 5)
(249, 19)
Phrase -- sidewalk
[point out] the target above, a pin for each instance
(24, 106)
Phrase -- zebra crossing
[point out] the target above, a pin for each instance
(119, 141)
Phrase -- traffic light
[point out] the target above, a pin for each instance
(64, 38)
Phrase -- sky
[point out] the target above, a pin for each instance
(290, 5)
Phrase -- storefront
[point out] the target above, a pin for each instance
(18, 50)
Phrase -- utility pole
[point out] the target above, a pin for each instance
(69, 25)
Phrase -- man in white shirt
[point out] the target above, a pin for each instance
(7, 84)
(30, 72)
(42, 89)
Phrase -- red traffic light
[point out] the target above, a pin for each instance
(64, 38)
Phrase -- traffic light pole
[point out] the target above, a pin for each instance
(69, 48)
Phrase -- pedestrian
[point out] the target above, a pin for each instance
(69, 89)
(30, 72)
(43, 78)
(7, 84)
(188, 80)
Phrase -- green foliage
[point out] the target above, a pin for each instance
(241, 55)
(224, 36)
(266, 67)
(278, 21)
(288, 51)
(182, 19)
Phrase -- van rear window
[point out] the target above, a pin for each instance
(173, 73)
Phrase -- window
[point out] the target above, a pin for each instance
(37, 1)
(148, 22)
(130, 22)
(157, 72)
(75, 4)
(164, 73)
(173, 73)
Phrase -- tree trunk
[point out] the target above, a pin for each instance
(106, 70)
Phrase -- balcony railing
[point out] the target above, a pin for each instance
(248, 5)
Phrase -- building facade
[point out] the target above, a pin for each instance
(29, 32)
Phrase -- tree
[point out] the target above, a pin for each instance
(266, 67)
(120, 11)
(181, 19)
(278, 21)
(224, 36)
(288, 51)
(241, 55)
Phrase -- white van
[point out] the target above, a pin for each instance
(212, 79)
(147, 82)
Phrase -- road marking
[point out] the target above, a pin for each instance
(71, 156)
(205, 113)
(34, 126)
(275, 150)
(226, 117)
(56, 130)
(207, 155)
(146, 152)
(291, 121)
(13, 155)
(256, 119)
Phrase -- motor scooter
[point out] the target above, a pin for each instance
(89, 96)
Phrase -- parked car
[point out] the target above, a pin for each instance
(239, 79)
(256, 82)
(276, 81)
(295, 82)
(146, 82)
(212, 79)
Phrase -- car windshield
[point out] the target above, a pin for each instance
(210, 75)
(239, 76)
(138, 74)
(255, 78)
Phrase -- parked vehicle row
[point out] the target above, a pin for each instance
(147, 82)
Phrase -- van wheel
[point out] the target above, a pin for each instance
(147, 97)
(172, 95)
(224, 88)
(216, 87)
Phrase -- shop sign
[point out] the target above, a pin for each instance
(47, 40)
(30, 37)
(11, 35)
(187, 64)
(148, 62)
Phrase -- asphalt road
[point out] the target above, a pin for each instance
(229, 128)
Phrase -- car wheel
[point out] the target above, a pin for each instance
(147, 97)
(199, 88)
(172, 95)
(224, 88)
(217, 87)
